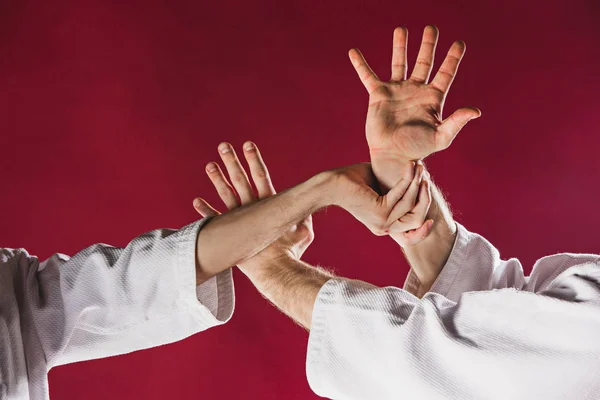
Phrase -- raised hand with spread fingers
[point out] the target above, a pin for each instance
(240, 192)
(404, 118)
(405, 124)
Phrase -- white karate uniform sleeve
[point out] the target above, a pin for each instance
(101, 302)
(516, 338)
(475, 264)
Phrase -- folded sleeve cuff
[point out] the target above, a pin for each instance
(447, 275)
(412, 284)
(212, 301)
(317, 340)
(458, 257)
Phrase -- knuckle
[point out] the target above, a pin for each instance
(261, 174)
(380, 228)
(407, 219)
(225, 193)
(238, 178)
(446, 73)
(424, 62)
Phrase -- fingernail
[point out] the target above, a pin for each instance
(196, 203)
(211, 167)
(430, 224)
(248, 146)
(224, 148)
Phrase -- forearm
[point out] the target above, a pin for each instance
(291, 285)
(427, 258)
(233, 237)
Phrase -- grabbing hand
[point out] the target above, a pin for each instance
(401, 212)
(297, 239)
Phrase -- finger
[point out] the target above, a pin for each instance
(448, 130)
(203, 208)
(414, 219)
(258, 170)
(409, 199)
(308, 223)
(224, 189)
(397, 191)
(417, 216)
(399, 54)
(445, 75)
(365, 73)
(420, 210)
(237, 174)
(412, 237)
(426, 54)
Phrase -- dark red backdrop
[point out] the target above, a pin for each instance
(110, 110)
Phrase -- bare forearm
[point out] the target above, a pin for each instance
(291, 285)
(231, 238)
(427, 258)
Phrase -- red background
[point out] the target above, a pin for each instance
(110, 110)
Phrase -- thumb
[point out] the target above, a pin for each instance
(203, 208)
(448, 130)
(416, 236)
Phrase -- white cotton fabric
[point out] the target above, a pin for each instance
(485, 331)
(101, 302)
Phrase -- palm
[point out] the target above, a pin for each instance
(404, 118)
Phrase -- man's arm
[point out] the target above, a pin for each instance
(428, 256)
(404, 125)
(292, 285)
(105, 300)
(372, 342)
(288, 283)
(236, 236)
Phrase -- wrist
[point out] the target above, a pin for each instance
(323, 185)
(389, 167)
(385, 154)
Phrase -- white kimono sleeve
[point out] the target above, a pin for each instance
(475, 264)
(105, 301)
(384, 343)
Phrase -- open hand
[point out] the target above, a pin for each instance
(404, 118)
(295, 242)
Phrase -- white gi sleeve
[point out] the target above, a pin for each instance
(384, 343)
(105, 301)
(475, 264)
